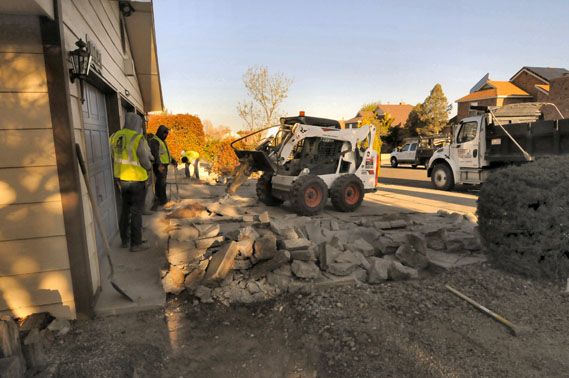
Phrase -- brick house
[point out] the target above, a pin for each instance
(529, 84)
(400, 113)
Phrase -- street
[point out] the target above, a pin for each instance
(410, 188)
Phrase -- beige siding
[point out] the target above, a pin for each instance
(91, 18)
(34, 263)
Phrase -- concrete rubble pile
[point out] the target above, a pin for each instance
(235, 255)
(22, 344)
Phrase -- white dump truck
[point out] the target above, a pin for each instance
(511, 134)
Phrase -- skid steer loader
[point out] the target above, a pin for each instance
(305, 160)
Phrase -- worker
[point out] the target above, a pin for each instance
(162, 159)
(131, 163)
(191, 157)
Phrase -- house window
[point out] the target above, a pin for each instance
(472, 112)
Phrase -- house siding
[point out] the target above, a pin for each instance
(34, 264)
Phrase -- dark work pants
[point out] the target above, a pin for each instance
(132, 196)
(196, 165)
(160, 186)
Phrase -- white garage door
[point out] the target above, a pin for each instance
(99, 160)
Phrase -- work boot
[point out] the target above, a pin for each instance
(124, 244)
(139, 247)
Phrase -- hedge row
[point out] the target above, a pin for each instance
(523, 216)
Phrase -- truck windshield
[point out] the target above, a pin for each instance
(467, 132)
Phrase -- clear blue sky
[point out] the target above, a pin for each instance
(343, 54)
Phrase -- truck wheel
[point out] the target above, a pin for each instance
(394, 162)
(347, 193)
(308, 195)
(264, 191)
(414, 166)
(442, 177)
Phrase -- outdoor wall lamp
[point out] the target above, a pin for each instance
(81, 63)
(126, 8)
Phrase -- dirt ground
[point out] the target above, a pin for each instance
(397, 329)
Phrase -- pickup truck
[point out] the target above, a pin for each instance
(512, 134)
(417, 153)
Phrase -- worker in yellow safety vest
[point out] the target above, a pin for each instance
(191, 157)
(162, 159)
(131, 164)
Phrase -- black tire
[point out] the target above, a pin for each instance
(264, 191)
(394, 162)
(347, 193)
(414, 166)
(308, 195)
(442, 177)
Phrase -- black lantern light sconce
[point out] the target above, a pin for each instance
(81, 60)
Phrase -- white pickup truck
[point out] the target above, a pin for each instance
(512, 134)
(417, 153)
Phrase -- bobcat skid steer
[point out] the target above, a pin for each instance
(305, 160)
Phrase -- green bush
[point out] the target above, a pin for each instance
(523, 215)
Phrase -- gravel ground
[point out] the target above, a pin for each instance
(397, 329)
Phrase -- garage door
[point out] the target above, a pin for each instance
(99, 160)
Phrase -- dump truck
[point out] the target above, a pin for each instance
(512, 134)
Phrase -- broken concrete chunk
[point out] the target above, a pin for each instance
(446, 261)
(245, 247)
(334, 226)
(363, 261)
(284, 270)
(265, 247)
(362, 246)
(398, 271)
(173, 282)
(248, 218)
(383, 225)
(12, 367)
(60, 326)
(264, 217)
(209, 242)
(178, 255)
(247, 233)
(314, 232)
(267, 266)
(349, 257)
(442, 213)
(221, 263)
(241, 264)
(342, 268)
(207, 230)
(379, 270)
(38, 321)
(303, 255)
(195, 277)
(296, 244)
(411, 257)
(305, 269)
(396, 224)
(436, 239)
(327, 255)
(204, 294)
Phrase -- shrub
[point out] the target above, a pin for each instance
(221, 156)
(186, 132)
(523, 214)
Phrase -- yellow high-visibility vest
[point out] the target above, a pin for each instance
(127, 167)
(163, 152)
(192, 156)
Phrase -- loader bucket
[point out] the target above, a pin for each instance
(258, 160)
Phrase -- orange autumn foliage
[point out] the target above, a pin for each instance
(186, 132)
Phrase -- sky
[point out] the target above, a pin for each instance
(343, 54)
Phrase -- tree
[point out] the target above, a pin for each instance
(414, 121)
(370, 107)
(186, 132)
(434, 112)
(267, 92)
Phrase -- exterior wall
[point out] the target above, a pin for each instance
(99, 20)
(542, 97)
(527, 82)
(34, 265)
(559, 95)
(464, 107)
